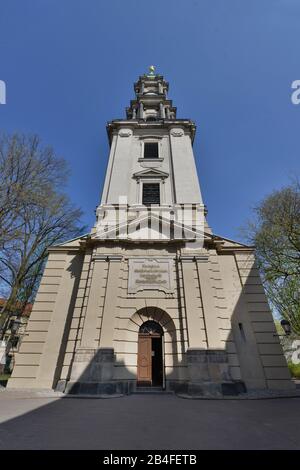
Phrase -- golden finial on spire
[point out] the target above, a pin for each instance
(151, 70)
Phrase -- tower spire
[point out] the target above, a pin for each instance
(151, 102)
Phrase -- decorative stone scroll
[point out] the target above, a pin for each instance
(125, 133)
(177, 132)
(150, 274)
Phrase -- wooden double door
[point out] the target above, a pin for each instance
(150, 360)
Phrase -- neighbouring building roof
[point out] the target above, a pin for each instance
(26, 311)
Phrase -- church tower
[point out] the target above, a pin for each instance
(151, 297)
(151, 164)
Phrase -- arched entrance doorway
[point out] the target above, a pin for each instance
(150, 355)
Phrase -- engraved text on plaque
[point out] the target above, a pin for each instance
(150, 273)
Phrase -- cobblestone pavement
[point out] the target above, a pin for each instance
(41, 421)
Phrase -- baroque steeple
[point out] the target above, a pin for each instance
(151, 106)
(151, 102)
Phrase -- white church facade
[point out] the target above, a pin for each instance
(151, 297)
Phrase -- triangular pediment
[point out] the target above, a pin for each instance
(150, 227)
(150, 173)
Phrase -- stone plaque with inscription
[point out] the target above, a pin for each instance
(150, 274)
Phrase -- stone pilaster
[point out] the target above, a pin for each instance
(196, 335)
(209, 309)
(89, 337)
(162, 111)
(141, 111)
(111, 299)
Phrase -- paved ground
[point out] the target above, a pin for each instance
(147, 422)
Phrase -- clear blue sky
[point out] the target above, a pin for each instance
(69, 67)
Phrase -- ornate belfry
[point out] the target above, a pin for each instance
(151, 297)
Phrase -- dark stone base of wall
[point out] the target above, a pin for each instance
(98, 388)
(111, 388)
(208, 389)
(218, 390)
(177, 387)
(234, 388)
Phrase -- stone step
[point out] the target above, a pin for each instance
(152, 391)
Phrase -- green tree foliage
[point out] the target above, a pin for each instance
(276, 235)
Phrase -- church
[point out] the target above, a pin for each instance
(151, 298)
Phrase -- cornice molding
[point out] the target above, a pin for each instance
(187, 258)
(108, 257)
(150, 136)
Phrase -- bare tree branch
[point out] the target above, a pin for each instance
(34, 214)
